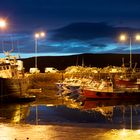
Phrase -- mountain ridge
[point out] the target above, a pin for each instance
(88, 59)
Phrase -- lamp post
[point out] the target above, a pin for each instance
(124, 38)
(3, 25)
(37, 36)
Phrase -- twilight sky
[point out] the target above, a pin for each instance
(71, 26)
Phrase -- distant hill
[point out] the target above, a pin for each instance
(93, 60)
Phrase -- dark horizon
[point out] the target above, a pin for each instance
(89, 60)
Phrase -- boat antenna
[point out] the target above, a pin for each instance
(123, 65)
(17, 43)
(133, 71)
(77, 60)
(83, 62)
(7, 53)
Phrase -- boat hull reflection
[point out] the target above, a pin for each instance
(13, 113)
(89, 104)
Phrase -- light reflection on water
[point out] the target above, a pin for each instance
(104, 120)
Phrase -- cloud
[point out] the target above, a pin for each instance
(83, 31)
(74, 38)
(92, 38)
(88, 31)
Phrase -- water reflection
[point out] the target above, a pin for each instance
(122, 114)
(99, 114)
(13, 113)
(104, 120)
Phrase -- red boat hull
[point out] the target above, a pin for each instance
(110, 95)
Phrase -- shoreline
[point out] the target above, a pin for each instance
(89, 60)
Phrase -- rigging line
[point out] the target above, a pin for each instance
(12, 42)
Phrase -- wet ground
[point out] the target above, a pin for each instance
(53, 117)
(60, 132)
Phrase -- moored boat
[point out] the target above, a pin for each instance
(107, 90)
(13, 82)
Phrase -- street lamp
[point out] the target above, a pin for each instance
(2, 23)
(37, 36)
(124, 38)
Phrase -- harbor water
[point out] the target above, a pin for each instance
(66, 119)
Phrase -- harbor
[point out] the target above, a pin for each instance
(54, 100)
(69, 70)
(54, 117)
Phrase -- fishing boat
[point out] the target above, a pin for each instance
(69, 84)
(13, 81)
(111, 90)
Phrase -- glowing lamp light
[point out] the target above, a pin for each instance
(39, 35)
(138, 37)
(42, 34)
(138, 131)
(36, 35)
(2, 23)
(123, 37)
(123, 132)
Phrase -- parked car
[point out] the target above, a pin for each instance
(34, 70)
(50, 70)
